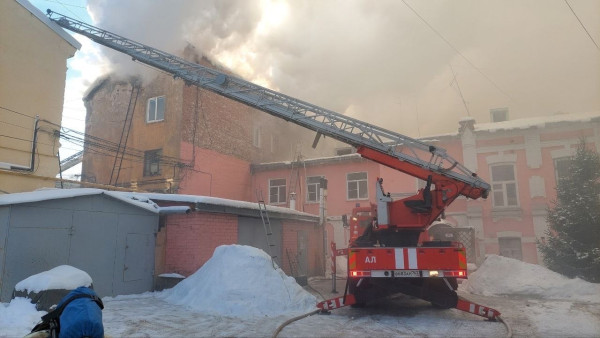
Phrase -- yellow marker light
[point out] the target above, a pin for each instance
(433, 273)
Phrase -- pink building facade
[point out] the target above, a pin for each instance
(521, 159)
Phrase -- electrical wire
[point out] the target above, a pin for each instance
(16, 112)
(456, 50)
(582, 25)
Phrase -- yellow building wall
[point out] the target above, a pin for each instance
(32, 82)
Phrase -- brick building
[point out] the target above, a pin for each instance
(186, 241)
(203, 144)
(165, 136)
(521, 159)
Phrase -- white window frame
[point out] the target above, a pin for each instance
(281, 191)
(152, 114)
(555, 162)
(502, 187)
(317, 188)
(358, 189)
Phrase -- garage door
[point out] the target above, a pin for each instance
(251, 232)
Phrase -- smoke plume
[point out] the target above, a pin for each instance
(410, 66)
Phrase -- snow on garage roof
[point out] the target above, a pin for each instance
(54, 194)
(146, 201)
(223, 205)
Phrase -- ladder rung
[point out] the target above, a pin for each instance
(269, 234)
(271, 244)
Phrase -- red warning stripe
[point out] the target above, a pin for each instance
(480, 310)
(335, 303)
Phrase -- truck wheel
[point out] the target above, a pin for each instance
(358, 292)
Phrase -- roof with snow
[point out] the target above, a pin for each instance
(54, 194)
(227, 206)
(539, 121)
(149, 202)
(308, 162)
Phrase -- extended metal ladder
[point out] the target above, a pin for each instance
(325, 122)
(264, 216)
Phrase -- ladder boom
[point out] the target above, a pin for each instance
(354, 132)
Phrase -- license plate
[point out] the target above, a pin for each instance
(407, 273)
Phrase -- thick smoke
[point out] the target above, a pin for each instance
(379, 61)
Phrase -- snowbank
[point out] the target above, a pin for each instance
(240, 281)
(506, 276)
(61, 277)
(18, 317)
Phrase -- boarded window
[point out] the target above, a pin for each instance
(152, 162)
(256, 138)
(499, 114)
(510, 247)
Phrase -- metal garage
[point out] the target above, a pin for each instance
(109, 235)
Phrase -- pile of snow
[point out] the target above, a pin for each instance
(240, 281)
(18, 317)
(61, 277)
(506, 276)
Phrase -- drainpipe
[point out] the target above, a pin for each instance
(323, 217)
(12, 166)
(293, 201)
(174, 210)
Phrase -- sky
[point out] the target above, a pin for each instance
(238, 292)
(415, 67)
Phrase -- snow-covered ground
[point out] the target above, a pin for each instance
(239, 293)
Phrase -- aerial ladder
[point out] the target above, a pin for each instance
(388, 257)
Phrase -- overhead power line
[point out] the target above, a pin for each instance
(582, 25)
(456, 50)
(16, 112)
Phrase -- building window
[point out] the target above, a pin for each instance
(256, 140)
(499, 114)
(357, 186)
(313, 187)
(510, 247)
(277, 194)
(152, 162)
(156, 109)
(274, 143)
(561, 168)
(504, 186)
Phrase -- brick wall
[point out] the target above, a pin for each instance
(215, 174)
(191, 239)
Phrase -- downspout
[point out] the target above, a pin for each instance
(12, 166)
(174, 210)
(323, 218)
